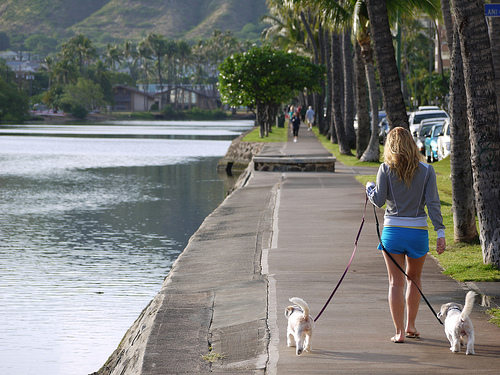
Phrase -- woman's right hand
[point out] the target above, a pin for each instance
(441, 245)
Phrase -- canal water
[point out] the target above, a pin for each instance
(91, 219)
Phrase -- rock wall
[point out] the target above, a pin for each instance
(239, 154)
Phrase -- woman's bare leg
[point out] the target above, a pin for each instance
(396, 293)
(414, 270)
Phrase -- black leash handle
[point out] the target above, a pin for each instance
(348, 265)
(401, 269)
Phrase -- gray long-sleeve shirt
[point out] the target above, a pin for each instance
(405, 205)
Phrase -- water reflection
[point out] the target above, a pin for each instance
(88, 231)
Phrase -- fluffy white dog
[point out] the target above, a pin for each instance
(300, 325)
(457, 325)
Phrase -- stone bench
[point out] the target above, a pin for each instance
(295, 163)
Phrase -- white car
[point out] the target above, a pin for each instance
(443, 141)
(416, 117)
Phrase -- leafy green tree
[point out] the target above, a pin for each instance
(263, 78)
(13, 104)
(41, 44)
(4, 41)
(85, 94)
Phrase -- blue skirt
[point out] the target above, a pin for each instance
(410, 241)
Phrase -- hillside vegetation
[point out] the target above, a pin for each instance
(110, 21)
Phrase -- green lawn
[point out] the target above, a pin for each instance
(276, 135)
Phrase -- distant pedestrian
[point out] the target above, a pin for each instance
(295, 125)
(406, 185)
(310, 118)
(291, 111)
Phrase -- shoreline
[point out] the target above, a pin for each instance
(130, 352)
(61, 118)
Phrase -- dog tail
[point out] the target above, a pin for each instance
(300, 302)
(469, 304)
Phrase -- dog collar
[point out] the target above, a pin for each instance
(455, 308)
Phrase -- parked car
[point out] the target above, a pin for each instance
(427, 107)
(431, 143)
(381, 116)
(383, 129)
(443, 142)
(416, 117)
(420, 135)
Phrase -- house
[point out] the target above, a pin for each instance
(131, 99)
(188, 96)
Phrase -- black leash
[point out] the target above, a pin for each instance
(348, 265)
(400, 268)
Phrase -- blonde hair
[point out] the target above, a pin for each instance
(401, 154)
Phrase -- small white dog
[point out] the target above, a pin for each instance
(300, 325)
(457, 325)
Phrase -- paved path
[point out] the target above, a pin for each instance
(284, 235)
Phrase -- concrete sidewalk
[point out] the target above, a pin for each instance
(318, 217)
(283, 235)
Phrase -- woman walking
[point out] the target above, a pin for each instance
(295, 125)
(406, 185)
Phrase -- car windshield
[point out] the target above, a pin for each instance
(437, 130)
(422, 116)
(424, 130)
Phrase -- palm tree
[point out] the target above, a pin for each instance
(158, 45)
(82, 47)
(114, 55)
(144, 54)
(386, 63)
(337, 85)
(65, 71)
(183, 55)
(464, 215)
(495, 50)
(48, 65)
(483, 122)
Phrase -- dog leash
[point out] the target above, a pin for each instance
(400, 268)
(348, 265)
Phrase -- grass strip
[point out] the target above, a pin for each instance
(462, 261)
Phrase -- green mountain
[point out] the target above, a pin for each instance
(109, 21)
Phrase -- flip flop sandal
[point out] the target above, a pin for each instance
(415, 335)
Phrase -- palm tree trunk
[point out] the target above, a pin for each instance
(319, 98)
(483, 122)
(337, 96)
(495, 51)
(348, 89)
(326, 127)
(463, 204)
(363, 135)
(372, 153)
(390, 83)
(464, 213)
